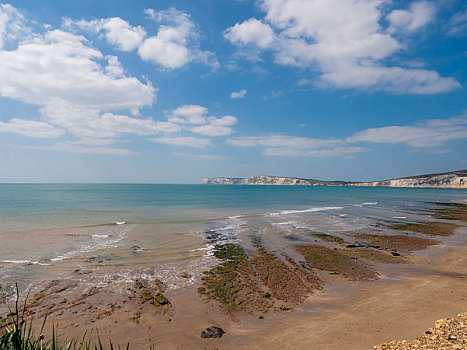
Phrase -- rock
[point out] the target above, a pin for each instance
(185, 275)
(212, 332)
(395, 254)
(161, 299)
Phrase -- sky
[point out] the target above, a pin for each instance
(176, 91)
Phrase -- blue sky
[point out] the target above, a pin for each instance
(175, 91)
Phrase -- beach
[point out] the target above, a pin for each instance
(319, 269)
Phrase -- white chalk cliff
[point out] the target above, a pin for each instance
(454, 179)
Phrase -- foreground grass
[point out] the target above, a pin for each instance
(16, 334)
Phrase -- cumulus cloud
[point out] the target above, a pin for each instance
(60, 66)
(187, 141)
(116, 31)
(238, 94)
(251, 31)
(76, 88)
(189, 114)
(417, 16)
(176, 42)
(194, 118)
(216, 126)
(337, 38)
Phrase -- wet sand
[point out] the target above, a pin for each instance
(406, 300)
(346, 309)
(377, 312)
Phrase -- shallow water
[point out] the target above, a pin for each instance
(50, 230)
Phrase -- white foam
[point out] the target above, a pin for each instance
(284, 223)
(119, 222)
(283, 212)
(23, 262)
(369, 203)
(399, 217)
(100, 241)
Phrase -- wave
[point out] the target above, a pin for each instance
(309, 210)
(107, 239)
(23, 262)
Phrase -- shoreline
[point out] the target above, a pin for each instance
(350, 314)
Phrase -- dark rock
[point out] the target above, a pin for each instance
(261, 317)
(212, 332)
(267, 295)
(185, 275)
(395, 254)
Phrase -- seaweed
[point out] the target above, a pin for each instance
(433, 228)
(323, 258)
(329, 238)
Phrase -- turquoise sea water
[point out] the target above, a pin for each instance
(49, 228)
(55, 205)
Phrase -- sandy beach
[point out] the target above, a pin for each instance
(370, 294)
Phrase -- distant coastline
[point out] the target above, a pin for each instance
(453, 179)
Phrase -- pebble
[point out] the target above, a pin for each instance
(448, 333)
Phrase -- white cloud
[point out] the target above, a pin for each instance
(189, 114)
(194, 118)
(11, 24)
(60, 66)
(176, 42)
(76, 88)
(187, 141)
(117, 31)
(293, 146)
(238, 94)
(417, 16)
(251, 31)
(30, 128)
(457, 25)
(337, 38)
(425, 134)
(216, 126)
(431, 133)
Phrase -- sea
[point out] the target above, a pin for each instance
(168, 232)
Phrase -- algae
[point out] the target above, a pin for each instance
(329, 238)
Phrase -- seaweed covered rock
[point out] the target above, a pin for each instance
(212, 332)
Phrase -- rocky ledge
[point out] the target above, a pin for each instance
(449, 333)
